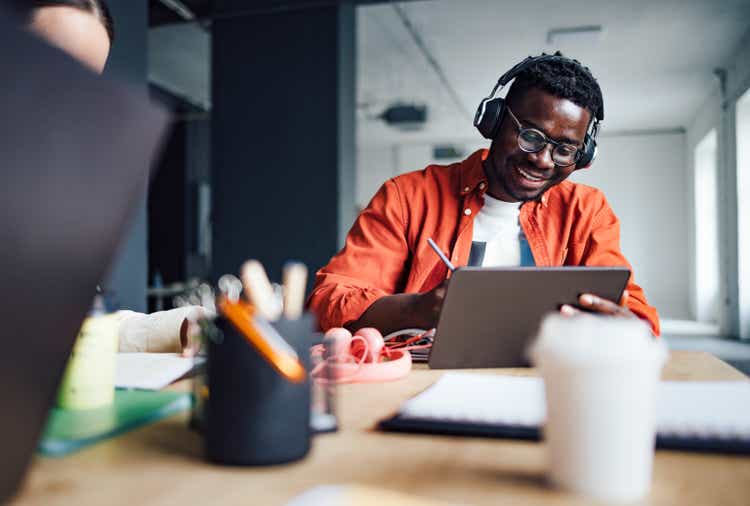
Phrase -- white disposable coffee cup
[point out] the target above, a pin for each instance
(601, 376)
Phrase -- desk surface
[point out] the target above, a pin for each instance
(161, 463)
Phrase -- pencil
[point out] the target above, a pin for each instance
(259, 291)
(294, 281)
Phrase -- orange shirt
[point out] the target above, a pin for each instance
(386, 251)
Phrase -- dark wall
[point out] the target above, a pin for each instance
(281, 162)
(166, 211)
(179, 204)
(127, 61)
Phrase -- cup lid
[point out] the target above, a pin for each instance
(588, 340)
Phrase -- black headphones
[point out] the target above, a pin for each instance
(491, 110)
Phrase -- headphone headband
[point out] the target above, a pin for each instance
(489, 115)
(527, 62)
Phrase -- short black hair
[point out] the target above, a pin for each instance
(564, 78)
(97, 8)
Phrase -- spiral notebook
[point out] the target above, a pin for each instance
(691, 415)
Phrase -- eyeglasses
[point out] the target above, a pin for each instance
(532, 140)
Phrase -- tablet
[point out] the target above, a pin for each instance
(490, 314)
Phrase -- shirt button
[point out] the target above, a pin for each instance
(466, 189)
(481, 186)
(467, 211)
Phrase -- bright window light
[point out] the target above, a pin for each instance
(743, 211)
(706, 230)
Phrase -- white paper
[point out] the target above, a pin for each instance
(684, 408)
(151, 371)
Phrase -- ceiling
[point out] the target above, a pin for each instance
(163, 12)
(180, 62)
(654, 59)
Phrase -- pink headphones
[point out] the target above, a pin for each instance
(359, 358)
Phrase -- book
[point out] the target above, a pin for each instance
(691, 415)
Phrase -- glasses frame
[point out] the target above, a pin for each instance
(547, 140)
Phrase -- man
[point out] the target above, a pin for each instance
(507, 206)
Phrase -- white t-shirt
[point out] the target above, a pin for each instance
(496, 239)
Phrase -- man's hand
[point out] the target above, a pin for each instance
(599, 305)
(190, 330)
(403, 311)
(428, 305)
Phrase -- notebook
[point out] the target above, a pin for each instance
(691, 415)
(68, 431)
(153, 371)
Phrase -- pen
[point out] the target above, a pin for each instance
(441, 254)
(294, 279)
(266, 339)
(259, 291)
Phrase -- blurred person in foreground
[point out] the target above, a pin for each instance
(85, 30)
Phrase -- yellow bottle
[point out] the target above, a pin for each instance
(89, 378)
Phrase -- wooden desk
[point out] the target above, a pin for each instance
(161, 463)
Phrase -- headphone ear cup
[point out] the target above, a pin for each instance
(489, 117)
(589, 153)
(374, 340)
(338, 340)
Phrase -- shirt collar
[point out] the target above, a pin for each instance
(473, 176)
(472, 173)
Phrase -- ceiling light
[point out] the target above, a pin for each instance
(578, 34)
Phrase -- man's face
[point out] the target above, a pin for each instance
(515, 175)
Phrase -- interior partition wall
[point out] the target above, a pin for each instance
(282, 132)
(126, 283)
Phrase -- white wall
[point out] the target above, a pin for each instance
(644, 178)
(378, 163)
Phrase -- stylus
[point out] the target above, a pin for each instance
(440, 254)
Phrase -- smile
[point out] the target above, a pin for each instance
(530, 177)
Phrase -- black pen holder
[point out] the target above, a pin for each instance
(254, 415)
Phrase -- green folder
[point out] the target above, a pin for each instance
(68, 430)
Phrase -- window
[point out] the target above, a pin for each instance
(743, 210)
(706, 230)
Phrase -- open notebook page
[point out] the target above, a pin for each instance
(152, 371)
(717, 409)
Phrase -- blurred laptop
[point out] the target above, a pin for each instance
(75, 152)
